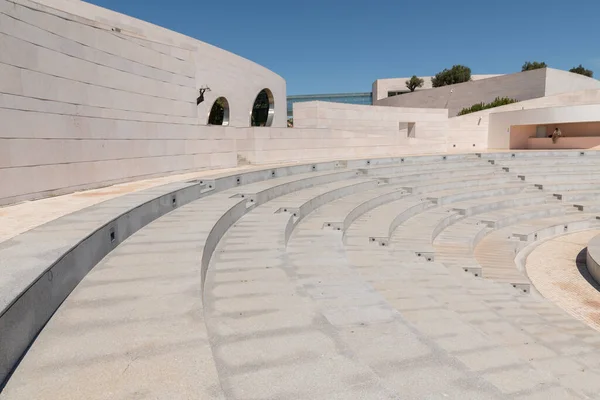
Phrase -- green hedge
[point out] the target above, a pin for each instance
(498, 101)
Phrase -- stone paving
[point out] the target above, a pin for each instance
(557, 269)
(21, 217)
(298, 302)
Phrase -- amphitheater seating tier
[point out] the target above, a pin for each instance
(380, 278)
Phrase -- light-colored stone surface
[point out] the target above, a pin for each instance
(557, 269)
(381, 87)
(465, 130)
(519, 86)
(114, 101)
(291, 308)
(429, 124)
(254, 296)
(501, 124)
(18, 218)
(107, 107)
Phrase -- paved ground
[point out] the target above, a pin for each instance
(18, 218)
(557, 269)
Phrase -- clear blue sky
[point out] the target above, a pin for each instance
(337, 46)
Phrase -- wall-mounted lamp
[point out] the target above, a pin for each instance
(200, 98)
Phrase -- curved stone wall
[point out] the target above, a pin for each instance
(593, 258)
(90, 97)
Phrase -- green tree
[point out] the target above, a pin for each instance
(414, 82)
(582, 71)
(529, 66)
(456, 74)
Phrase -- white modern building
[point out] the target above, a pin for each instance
(384, 88)
(118, 99)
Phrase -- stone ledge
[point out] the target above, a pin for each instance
(593, 258)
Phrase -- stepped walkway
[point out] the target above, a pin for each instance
(399, 278)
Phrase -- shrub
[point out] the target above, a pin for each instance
(582, 71)
(529, 66)
(498, 101)
(456, 74)
(414, 82)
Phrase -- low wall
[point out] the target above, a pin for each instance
(474, 128)
(381, 87)
(421, 123)
(519, 86)
(272, 145)
(46, 154)
(582, 135)
(583, 142)
(593, 258)
(502, 132)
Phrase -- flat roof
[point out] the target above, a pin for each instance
(308, 96)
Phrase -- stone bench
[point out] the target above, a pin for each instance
(452, 195)
(578, 195)
(567, 186)
(41, 267)
(536, 155)
(550, 177)
(557, 166)
(564, 142)
(414, 167)
(435, 185)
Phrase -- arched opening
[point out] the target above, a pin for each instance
(263, 109)
(219, 113)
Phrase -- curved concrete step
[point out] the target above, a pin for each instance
(588, 206)
(421, 230)
(435, 185)
(302, 318)
(455, 245)
(453, 196)
(338, 209)
(578, 195)
(75, 243)
(567, 186)
(552, 177)
(382, 221)
(496, 253)
(554, 167)
(446, 166)
(535, 156)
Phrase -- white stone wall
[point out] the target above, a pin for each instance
(83, 105)
(520, 86)
(499, 135)
(558, 82)
(272, 145)
(228, 75)
(430, 124)
(466, 130)
(381, 87)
